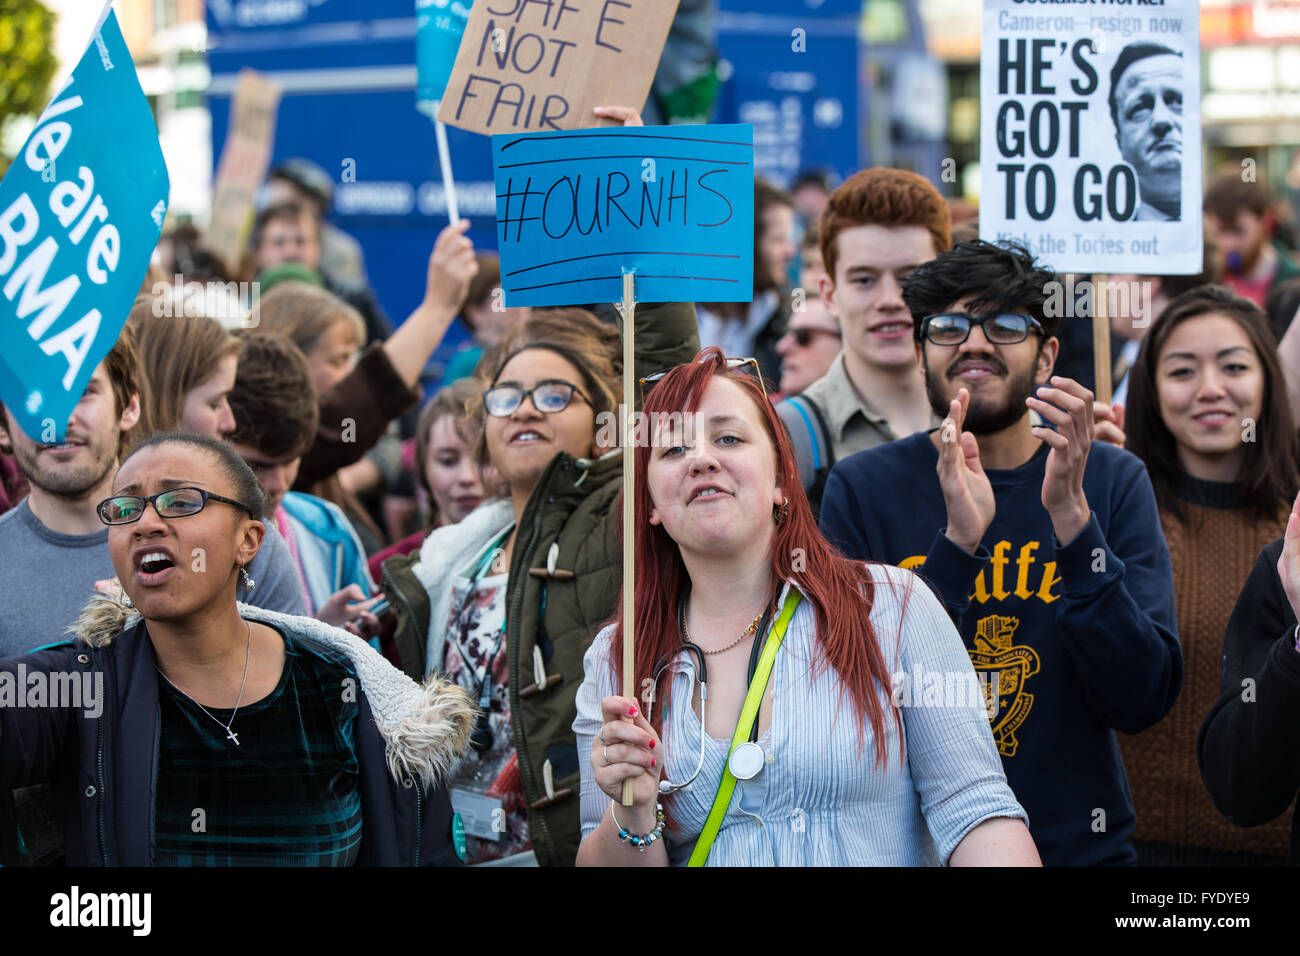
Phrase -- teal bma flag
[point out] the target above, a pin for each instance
(81, 209)
(439, 26)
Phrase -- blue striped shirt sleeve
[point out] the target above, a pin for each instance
(949, 745)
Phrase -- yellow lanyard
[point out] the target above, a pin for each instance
(748, 714)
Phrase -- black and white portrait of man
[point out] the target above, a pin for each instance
(1146, 105)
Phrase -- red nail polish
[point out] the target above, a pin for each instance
(652, 743)
(652, 761)
(631, 711)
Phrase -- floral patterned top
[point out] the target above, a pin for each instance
(476, 644)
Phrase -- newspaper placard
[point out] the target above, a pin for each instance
(1090, 138)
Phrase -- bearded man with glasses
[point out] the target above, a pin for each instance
(1044, 543)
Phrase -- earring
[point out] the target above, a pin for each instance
(781, 512)
(249, 583)
(126, 602)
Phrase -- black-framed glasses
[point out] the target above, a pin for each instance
(731, 363)
(803, 335)
(953, 328)
(173, 503)
(549, 397)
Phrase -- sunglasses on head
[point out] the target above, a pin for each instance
(174, 503)
(749, 364)
(953, 328)
(549, 397)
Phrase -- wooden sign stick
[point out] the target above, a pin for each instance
(629, 497)
(1101, 338)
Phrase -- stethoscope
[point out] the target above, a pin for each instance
(746, 760)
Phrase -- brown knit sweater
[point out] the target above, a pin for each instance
(1213, 550)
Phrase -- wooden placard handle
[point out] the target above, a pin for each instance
(1101, 338)
(629, 498)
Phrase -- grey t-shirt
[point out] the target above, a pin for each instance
(51, 576)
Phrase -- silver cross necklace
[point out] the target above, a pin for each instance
(230, 734)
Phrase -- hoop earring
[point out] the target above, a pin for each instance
(781, 512)
(249, 583)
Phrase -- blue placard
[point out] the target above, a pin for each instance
(439, 26)
(672, 204)
(80, 212)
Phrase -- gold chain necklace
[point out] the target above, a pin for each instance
(753, 628)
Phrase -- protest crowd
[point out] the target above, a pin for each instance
(909, 588)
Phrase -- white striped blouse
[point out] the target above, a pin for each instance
(821, 800)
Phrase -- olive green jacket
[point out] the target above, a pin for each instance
(563, 586)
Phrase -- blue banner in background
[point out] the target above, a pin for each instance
(439, 26)
(795, 78)
(81, 209)
(349, 76)
(673, 204)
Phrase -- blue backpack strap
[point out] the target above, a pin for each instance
(819, 441)
(803, 407)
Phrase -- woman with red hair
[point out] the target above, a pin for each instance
(743, 610)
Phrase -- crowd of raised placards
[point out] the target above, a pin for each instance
(948, 607)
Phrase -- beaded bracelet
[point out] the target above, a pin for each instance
(641, 842)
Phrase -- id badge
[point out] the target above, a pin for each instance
(484, 817)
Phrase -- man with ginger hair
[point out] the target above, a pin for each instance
(877, 228)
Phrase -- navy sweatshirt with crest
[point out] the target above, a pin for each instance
(1069, 642)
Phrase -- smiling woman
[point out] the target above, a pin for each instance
(802, 721)
(1208, 415)
(505, 602)
(253, 717)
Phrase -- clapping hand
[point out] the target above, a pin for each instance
(1070, 407)
(1108, 422)
(967, 494)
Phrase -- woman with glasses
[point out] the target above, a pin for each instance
(780, 724)
(506, 601)
(198, 731)
(1208, 416)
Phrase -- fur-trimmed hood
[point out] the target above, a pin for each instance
(425, 727)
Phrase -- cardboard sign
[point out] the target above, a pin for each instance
(81, 209)
(672, 204)
(243, 165)
(439, 26)
(1090, 140)
(529, 65)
